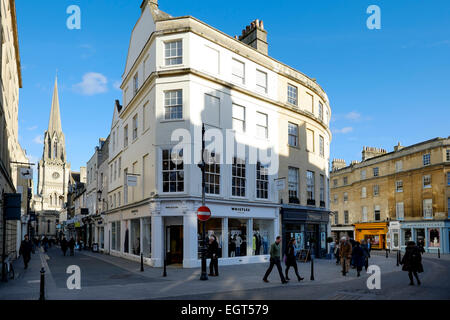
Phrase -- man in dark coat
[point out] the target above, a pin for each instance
(71, 245)
(25, 250)
(358, 257)
(64, 245)
(213, 253)
(412, 262)
(291, 260)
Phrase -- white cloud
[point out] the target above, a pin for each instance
(116, 85)
(93, 83)
(354, 116)
(32, 128)
(38, 139)
(343, 130)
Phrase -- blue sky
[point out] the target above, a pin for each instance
(384, 85)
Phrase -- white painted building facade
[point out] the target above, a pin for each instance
(179, 74)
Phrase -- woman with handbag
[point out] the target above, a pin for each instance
(412, 262)
(290, 259)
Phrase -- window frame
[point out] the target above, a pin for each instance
(262, 181)
(170, 170)
(292, 183)
(173, 111)
(262, 89)
(263, 127)
(399, 183)
(178, 58)
(292, 135)
(236, 78)
(234, 119)
(238, 190)
(290, 95)
(426, 159)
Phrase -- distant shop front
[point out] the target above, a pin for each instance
(433, 235)
(375, 232)
(309, 226)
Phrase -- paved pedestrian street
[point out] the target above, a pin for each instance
(107, 277)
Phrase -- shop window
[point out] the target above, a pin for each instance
(135, 237)
(115, 236)
(237, 237)
(146, 237)
(434, 237)
(407, 236)
(262, 236)
(213, 227)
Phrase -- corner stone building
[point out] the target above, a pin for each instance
(392, 198)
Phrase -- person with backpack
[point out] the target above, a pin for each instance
(412, 262)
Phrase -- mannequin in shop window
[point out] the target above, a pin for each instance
(266, 243)
(232, 246)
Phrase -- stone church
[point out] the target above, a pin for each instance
(53, 174)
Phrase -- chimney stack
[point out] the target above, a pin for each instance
(254, 35)
(337, 164)
(371, 152)
(398, 147)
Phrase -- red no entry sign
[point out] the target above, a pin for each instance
(203, 213)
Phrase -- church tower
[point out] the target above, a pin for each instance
(53, 169)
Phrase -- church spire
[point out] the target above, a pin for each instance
(54, 124)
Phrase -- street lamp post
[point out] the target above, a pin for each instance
(204, 275)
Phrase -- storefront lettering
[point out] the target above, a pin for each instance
(241, 209)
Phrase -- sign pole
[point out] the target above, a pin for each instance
(4, 239)
(204, 275)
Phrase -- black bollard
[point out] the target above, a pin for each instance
(398, 258)
(387, 254)
(42, 293)
(312, 269)
(165, 269)
(439, 253)
(142, 262)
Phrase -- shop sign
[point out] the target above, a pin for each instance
(280, 184)
(13, 202)
(26, 173)
(132, 180)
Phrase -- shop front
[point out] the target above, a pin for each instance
(339, 231)
(393, 236)
(375, 232)
(432, 235)
(244, 232)
(308, 226)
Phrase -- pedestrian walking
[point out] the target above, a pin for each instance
(45, 243)
(291, 260)
(213, 253)
(275, 259)
(71, 245)
(366, 250)
(358, 258)
(412, 262)
(421, 244)
(345, 253)
(25, 251)
(64, 245)
(336, 251)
